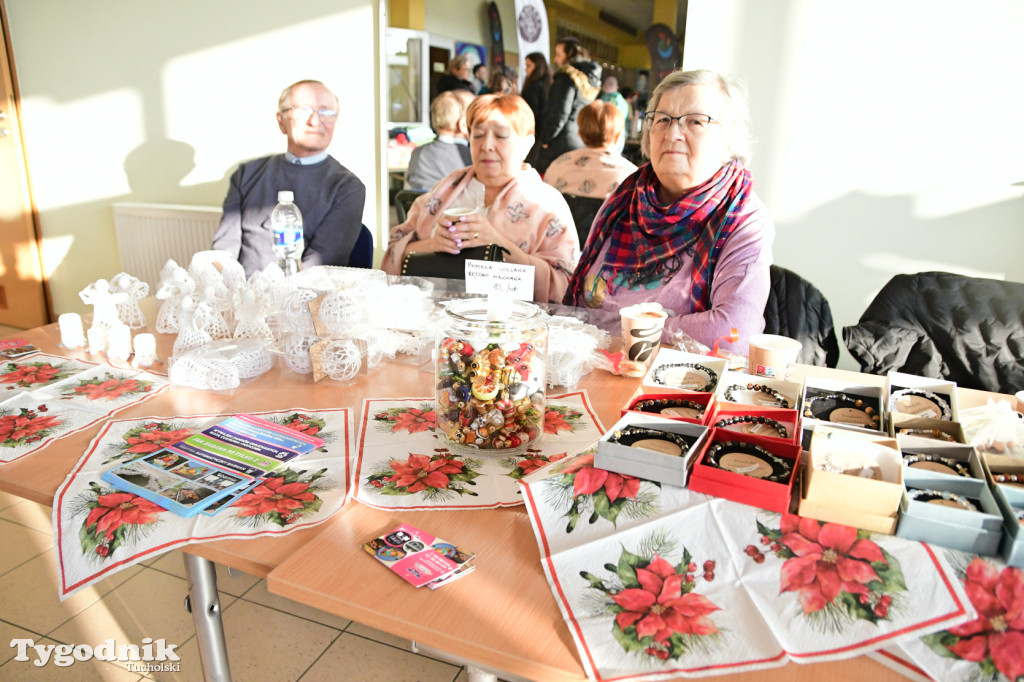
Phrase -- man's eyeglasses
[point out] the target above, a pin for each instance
(659, 121)
(305, 112)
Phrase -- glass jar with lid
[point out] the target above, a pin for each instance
(489, 377)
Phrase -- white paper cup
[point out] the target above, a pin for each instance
(642, 325)
(772, 356)
(1019, 395)
(453, 214)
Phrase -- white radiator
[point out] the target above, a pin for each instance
(149, 234)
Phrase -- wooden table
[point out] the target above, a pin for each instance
(501, 618)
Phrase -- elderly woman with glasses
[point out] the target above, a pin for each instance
(505, 201)
(686, 230)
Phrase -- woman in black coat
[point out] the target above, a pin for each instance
(535, 92)
(576, 84)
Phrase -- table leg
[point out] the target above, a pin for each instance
(474, 671)
(204, 603)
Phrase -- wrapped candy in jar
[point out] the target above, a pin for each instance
(490, 375)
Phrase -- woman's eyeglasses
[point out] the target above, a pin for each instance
(659, 121)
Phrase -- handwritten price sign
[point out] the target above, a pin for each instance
(508, 279)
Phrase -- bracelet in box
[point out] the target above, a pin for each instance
(1009, 479)
(662, 375)
(674, 407)
(663, 442)
(751, 419)
(827, 407)
(942, 465)
(748, 459)
(944, 498)
(729, 396)
(937, 406)
(934, 434)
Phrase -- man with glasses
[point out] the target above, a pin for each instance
(330, 197)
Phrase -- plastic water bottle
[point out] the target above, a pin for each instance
(286, 221)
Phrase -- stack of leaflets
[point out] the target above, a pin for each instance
(213, 467)
(419, 557)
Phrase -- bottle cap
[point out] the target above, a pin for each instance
(285, 195)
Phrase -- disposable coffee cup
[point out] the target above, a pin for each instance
(1019, 395)
(642, 325)
(772, 356)
(453, 214)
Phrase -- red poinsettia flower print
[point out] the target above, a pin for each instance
(303, 426)
(554, 421)
(274, 495)
(659, 608)
(151, 441)
(829, 559)
(589, 480)
(419, 472)
(119, 508)
(531, 464)
(15, 427)
(998, 597)
(413, 420)
(30, 374)
(111, 389)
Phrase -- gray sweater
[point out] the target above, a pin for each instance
(330, 197)
(433, 161)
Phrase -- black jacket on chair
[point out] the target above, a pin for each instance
(797, 309)
(940, 325)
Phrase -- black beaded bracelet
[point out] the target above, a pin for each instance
(729, 396)
(639, 437)
(712, 376)
(751, 419)
(780, 468)
(662, 405)
(943, 407)
(839, 400)
(943, 497)
(946, 465)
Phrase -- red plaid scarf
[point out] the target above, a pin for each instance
(648, 238)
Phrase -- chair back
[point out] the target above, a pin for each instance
(584, 210)
(945, 326)
(797, 309)
(362, 252)
(403, 202)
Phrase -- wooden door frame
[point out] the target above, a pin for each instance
(34, 210)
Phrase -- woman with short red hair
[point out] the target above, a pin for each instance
(596, 170)
(511, 206)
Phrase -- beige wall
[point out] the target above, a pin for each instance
(153, 101)
(890, 134)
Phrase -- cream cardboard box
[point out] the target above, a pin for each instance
(845, 413)
(920, 397)
(676, 370)
(912, 435)
(842, 498)
(978, 531)
(739, 386)
(649, 464)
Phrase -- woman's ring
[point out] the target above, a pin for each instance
(475, 235)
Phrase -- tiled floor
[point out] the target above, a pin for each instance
(269, 638)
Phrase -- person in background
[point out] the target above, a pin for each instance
(596, 169)
(588, 175)
(512, 206)
(499, 84)
(479, 78)
(457, 77)
(535, 92)
(575, 85)
(686, 230)
(330, 196)
(450, 151)
(610, 93)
